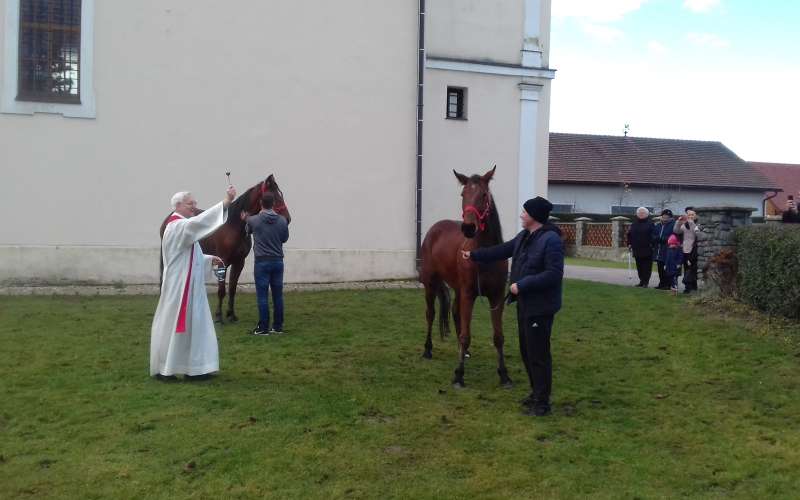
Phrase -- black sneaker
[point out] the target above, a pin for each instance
(166, 378)
(261, 332)
(538, 410)
(197, 378)
(277, 331)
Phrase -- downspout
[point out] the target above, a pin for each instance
(420, 102)
(765, 200)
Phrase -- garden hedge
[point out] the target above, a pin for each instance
(769, 268)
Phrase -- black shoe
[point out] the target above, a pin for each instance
(197, 378)
(639, 285)
(663, 287)
(277, 331)
(539, 410)
(261, 332)
(166, 378)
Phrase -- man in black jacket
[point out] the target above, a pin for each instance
(791, 215)
(661, 233)
(536, 275)
(640, 243)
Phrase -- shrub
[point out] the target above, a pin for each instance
(769, 268)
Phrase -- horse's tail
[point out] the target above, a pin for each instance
(443, 294)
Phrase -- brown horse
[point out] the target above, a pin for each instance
(443, 265)
(232, 244)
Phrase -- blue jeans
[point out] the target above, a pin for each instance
(269, 275)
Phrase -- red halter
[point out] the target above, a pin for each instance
(278, 206)
(482, 216)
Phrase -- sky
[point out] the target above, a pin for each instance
(720, 70)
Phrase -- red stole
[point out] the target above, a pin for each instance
(181, 325)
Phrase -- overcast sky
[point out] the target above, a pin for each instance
(726, 70)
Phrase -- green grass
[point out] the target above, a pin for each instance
(652, 399)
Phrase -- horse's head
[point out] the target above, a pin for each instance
(476, 202)
(268, 185)
(280, 202)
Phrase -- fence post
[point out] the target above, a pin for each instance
(618, 232)
(580, 231)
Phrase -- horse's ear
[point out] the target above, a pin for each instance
(271, 179)
(463, 179)
(489, 175)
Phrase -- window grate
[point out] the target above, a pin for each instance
(49, 51)
(456, 98)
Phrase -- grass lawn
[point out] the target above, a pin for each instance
(343, 406)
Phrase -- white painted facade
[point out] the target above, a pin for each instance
(596, 199)
(322, 94)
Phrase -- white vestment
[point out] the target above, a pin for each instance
(185, 307)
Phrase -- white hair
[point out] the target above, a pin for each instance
(180, 197)
(643, 210)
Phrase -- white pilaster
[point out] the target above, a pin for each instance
(531, 48)
(528, 137)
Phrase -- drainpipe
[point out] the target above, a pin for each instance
(420, 102)
(765, 200)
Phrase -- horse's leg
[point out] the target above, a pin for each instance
(497, 325)
(236, 271)
(430, 315)
(220, 299)
(466, 302)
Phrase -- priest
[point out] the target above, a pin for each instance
(182, 338)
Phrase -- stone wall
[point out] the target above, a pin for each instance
(716, 226)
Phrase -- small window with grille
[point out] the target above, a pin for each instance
(456, 103)
(563, 208)
(49, 51)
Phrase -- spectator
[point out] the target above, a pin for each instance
(673, 262)
(661, 233)
(640, 244)
(687, 228)
(791, 215)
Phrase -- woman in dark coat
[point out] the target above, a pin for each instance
(640, 243)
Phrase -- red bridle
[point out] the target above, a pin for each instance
(279, 206)
(482, 216)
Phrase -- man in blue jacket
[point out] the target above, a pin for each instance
(661, 233)
(536, 275)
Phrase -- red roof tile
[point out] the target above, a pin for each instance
(783, 176)
(602, 159)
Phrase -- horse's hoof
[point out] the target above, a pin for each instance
(508, 384)
(219, 320)
(467, 355)
(458, 384)
(233, 319)
(427, 355)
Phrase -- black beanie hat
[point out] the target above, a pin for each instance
(539, 209)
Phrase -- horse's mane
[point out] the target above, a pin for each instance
(494, 231)
(241, 202)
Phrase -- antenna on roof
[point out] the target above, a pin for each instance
(627, 129)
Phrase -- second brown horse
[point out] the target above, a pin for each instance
(232, 244)
(442, 265)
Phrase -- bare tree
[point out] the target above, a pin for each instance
(665, 196)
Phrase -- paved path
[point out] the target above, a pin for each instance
(601, 275)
